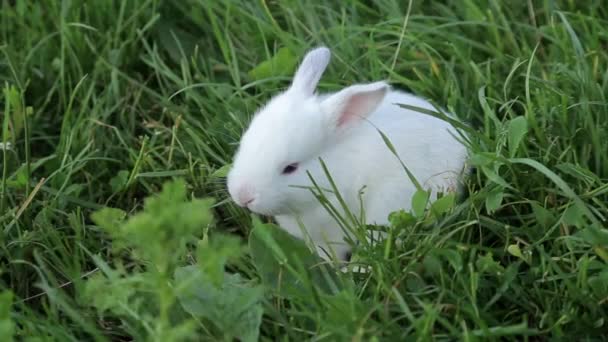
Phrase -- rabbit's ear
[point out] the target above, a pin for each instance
(354, 103)
(309, 73)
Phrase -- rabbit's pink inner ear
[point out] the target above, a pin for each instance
(356, 107)
(356, 102)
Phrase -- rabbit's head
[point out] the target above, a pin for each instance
(287, 136)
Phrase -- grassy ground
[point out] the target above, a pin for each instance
(103, 102)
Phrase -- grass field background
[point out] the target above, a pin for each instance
(104, 102)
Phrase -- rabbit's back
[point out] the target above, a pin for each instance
(426, 145)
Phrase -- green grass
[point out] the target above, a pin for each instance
(103, 102)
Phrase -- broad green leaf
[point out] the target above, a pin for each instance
(517, 252)
(432, 264)
(601, 252)
(248, 328)
(495, 178)
(481, 159)
(443, 204)
(518, 128)
(414, 283)
(419, 202)
(287, 265)
(573, 216)
(452, 257)
(543, 216)
(281, 63)
(401, 218)
(234, 306)
(19, 179)
(594, 236)
(494, 200)
(599, 285)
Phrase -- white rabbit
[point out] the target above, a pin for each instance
(295, 128)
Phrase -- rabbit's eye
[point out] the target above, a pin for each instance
(291, 168)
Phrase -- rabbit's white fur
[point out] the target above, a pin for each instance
(299, 126)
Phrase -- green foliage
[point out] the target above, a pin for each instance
(7, 327)
(291, 272)
(233, 306)
(160, 232)
(159, 237)
(120, 119)
(419, 202)
(282, 63)
(517, 130)
(286, 265)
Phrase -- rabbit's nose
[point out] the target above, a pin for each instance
(245, 196)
